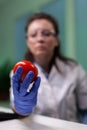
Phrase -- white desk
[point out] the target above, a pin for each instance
(37, 122)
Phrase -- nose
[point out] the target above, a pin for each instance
(40, 38)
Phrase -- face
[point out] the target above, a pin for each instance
(41, 39)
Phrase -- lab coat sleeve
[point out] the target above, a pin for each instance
(81, 89)
(11, 90)
(83, 119)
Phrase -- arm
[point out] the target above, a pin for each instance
(82, 94)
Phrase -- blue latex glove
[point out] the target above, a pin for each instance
(24, 101)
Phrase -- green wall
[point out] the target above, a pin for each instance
(81, 31)
(70, 29)
(9, 13)
(74, 33)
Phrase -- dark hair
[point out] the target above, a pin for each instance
(57, 50)
(43, 16)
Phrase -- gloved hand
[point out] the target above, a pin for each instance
(24, 101)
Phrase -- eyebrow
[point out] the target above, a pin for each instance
(43, 29)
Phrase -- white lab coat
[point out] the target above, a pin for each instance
(61, 94)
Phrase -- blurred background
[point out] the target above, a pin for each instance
(72, 19)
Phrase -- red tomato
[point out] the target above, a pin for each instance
(27, 66)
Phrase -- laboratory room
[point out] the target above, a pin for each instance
(43, 65)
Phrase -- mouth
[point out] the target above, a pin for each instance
(41, 48)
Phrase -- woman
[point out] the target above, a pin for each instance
(63, 88)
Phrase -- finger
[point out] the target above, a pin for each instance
(36, 84)
(16, 79)
(28, 79)
(17, 75)
(25, 84)
(15, 87)
(33, 92)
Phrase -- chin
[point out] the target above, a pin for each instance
(41, 53)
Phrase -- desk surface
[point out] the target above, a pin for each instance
(37, 122)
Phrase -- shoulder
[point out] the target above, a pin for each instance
(70, 65)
